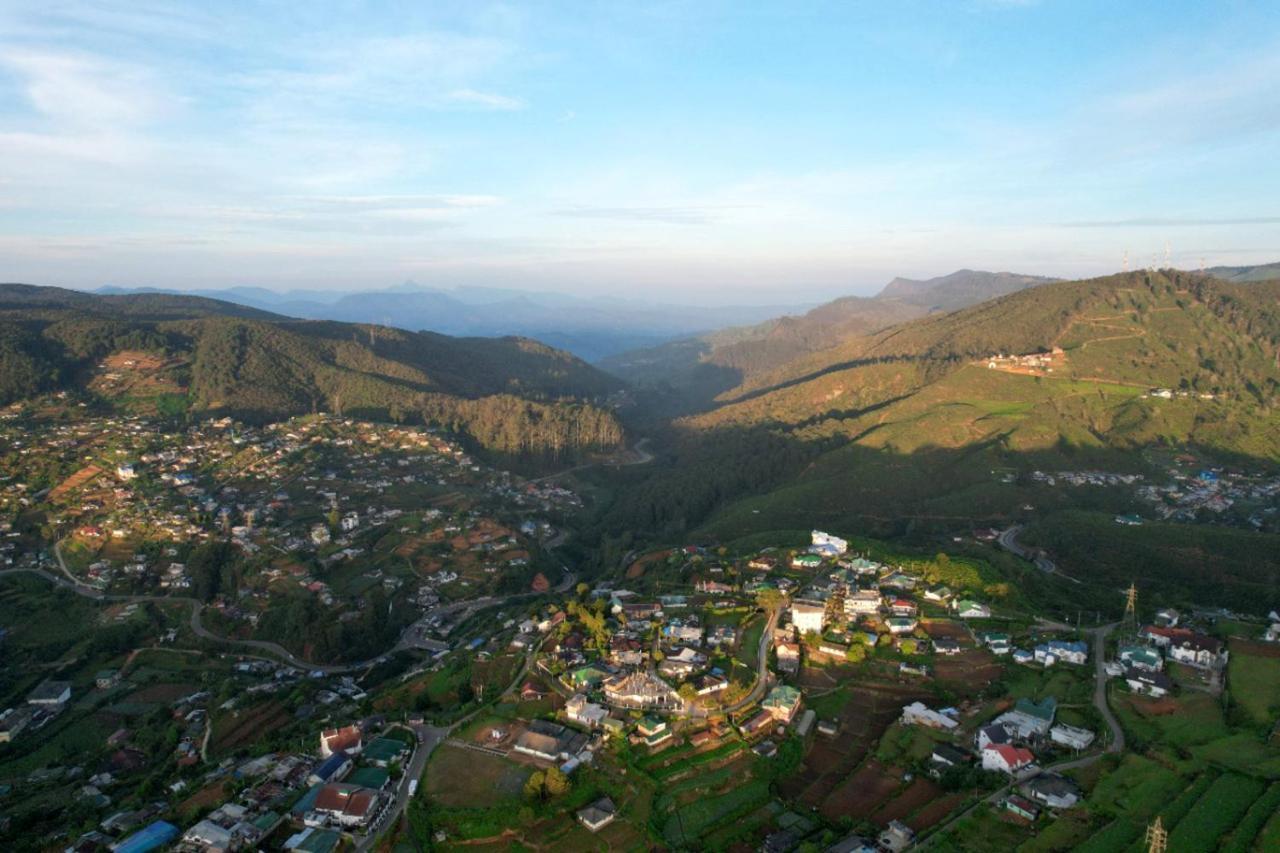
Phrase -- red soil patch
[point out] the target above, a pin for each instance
(1253, 648)
(935, 812)
(918, 794)
(862, 793)
(75, 481)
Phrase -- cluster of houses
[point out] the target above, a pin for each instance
(1211, 492)
(43, 705)
(1142, 664)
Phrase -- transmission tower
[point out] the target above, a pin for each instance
(1131, 609)
(1126, 260)
(1157, 839)
(1166, 254)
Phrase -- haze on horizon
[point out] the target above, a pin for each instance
(737, 152)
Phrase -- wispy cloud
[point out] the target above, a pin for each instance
(484, 100)
(672, 215)
(1172, 222)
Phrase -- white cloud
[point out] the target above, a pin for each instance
(484, 100)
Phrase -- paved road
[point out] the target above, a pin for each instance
(429, 737)
(1100, 686)
(1008, 540)
(762, 668)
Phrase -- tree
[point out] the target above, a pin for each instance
(688, 692)
(908, 647)
(582, 589)
(811, 640)
(769, 600)
(857, 653)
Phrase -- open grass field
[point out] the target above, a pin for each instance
(461, 778)
(1254, 681)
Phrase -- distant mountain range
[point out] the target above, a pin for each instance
(205, 357)
(697, 368)
(591, 328)
(1258, 272)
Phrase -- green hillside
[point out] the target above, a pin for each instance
(511, 395)
(922, 427)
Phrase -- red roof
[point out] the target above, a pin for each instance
(345, 799)
(1013, 756)
(347, 738)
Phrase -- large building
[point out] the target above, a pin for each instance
(809, 616)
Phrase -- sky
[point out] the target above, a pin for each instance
(705, 151)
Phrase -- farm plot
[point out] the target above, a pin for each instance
(460, 778)
(1254, 679)
(865, 716)
(1215, 813)
(863, 793)
(968, 672)
(690, 822)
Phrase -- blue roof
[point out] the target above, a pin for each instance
(149, 838)
(307, 800)
(330, 765)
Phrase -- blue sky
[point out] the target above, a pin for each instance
(698, 151)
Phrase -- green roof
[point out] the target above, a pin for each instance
(266, 820)
(319, 841)
(784, 696)
(587, 675)
(384, 749)
(369, 777)
(1043, 710)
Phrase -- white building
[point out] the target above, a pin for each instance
(809, 616)
(918, 714)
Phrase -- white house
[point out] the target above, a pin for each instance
(579, 710)
(1005, 758)
(918, 714)
(809, 616)
(1071, 736)
(825, 543)
(863, 602)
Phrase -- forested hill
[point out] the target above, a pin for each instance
(899, 423)
(208, 357)
(692, 371)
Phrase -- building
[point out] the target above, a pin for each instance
(50, 694)
(654, 730)
(826, 544)
(348, 739)
(106, 679)
(1052, 790)
(383, 751)
(1071, 736)
(896, 837)
(968, 609)
(641, 689)
(806, 561)
(759, 723)
(945, 755)
(1069, 651)
(916, 714)
(901, 624)
(333, 769)
(994, 734)
(151, 837)
(1141, 657)
(1155, 684)
(788, 656)
(345, 805)
(809, 616)
(580, 711)
(1029, 719)
(782, 703)
(598, 815)
(550, 741)
(1005, 758)
(863, 602)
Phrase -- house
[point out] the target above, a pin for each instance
(598, 815)
(1141, 657)
(901, 624)
(344, 804)
(384, 751)
(991, 734)
(1167, 618)
(763, 563)
(1023, 656)
(1052, 790)
(654, 730)
(997, 642)
(333, 769)
(825, 543)
(154, 836)
(710, 683)
(1071, 736)
(757, 724)
(1030, 719)
(713, 587)
(1023, 808)
(1155, 684)
(788, 656)
(917, 714)
(641, 689)
(938, 594)
(829, 728)
(1005, 758)
(863, 602)
(549, 741)
(531, 692)
(1199, 650)
(580, 711)
(1069, 651)
(809, 616)
(806, 561)
(1042, 655)
(106, 679)
(968, 609)
(782, 702)
(945, 755)
(902, 607)
(50, 694)
(896, 837)
(587, 677)
(313, 840)
(348, 739)
(946, 646)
